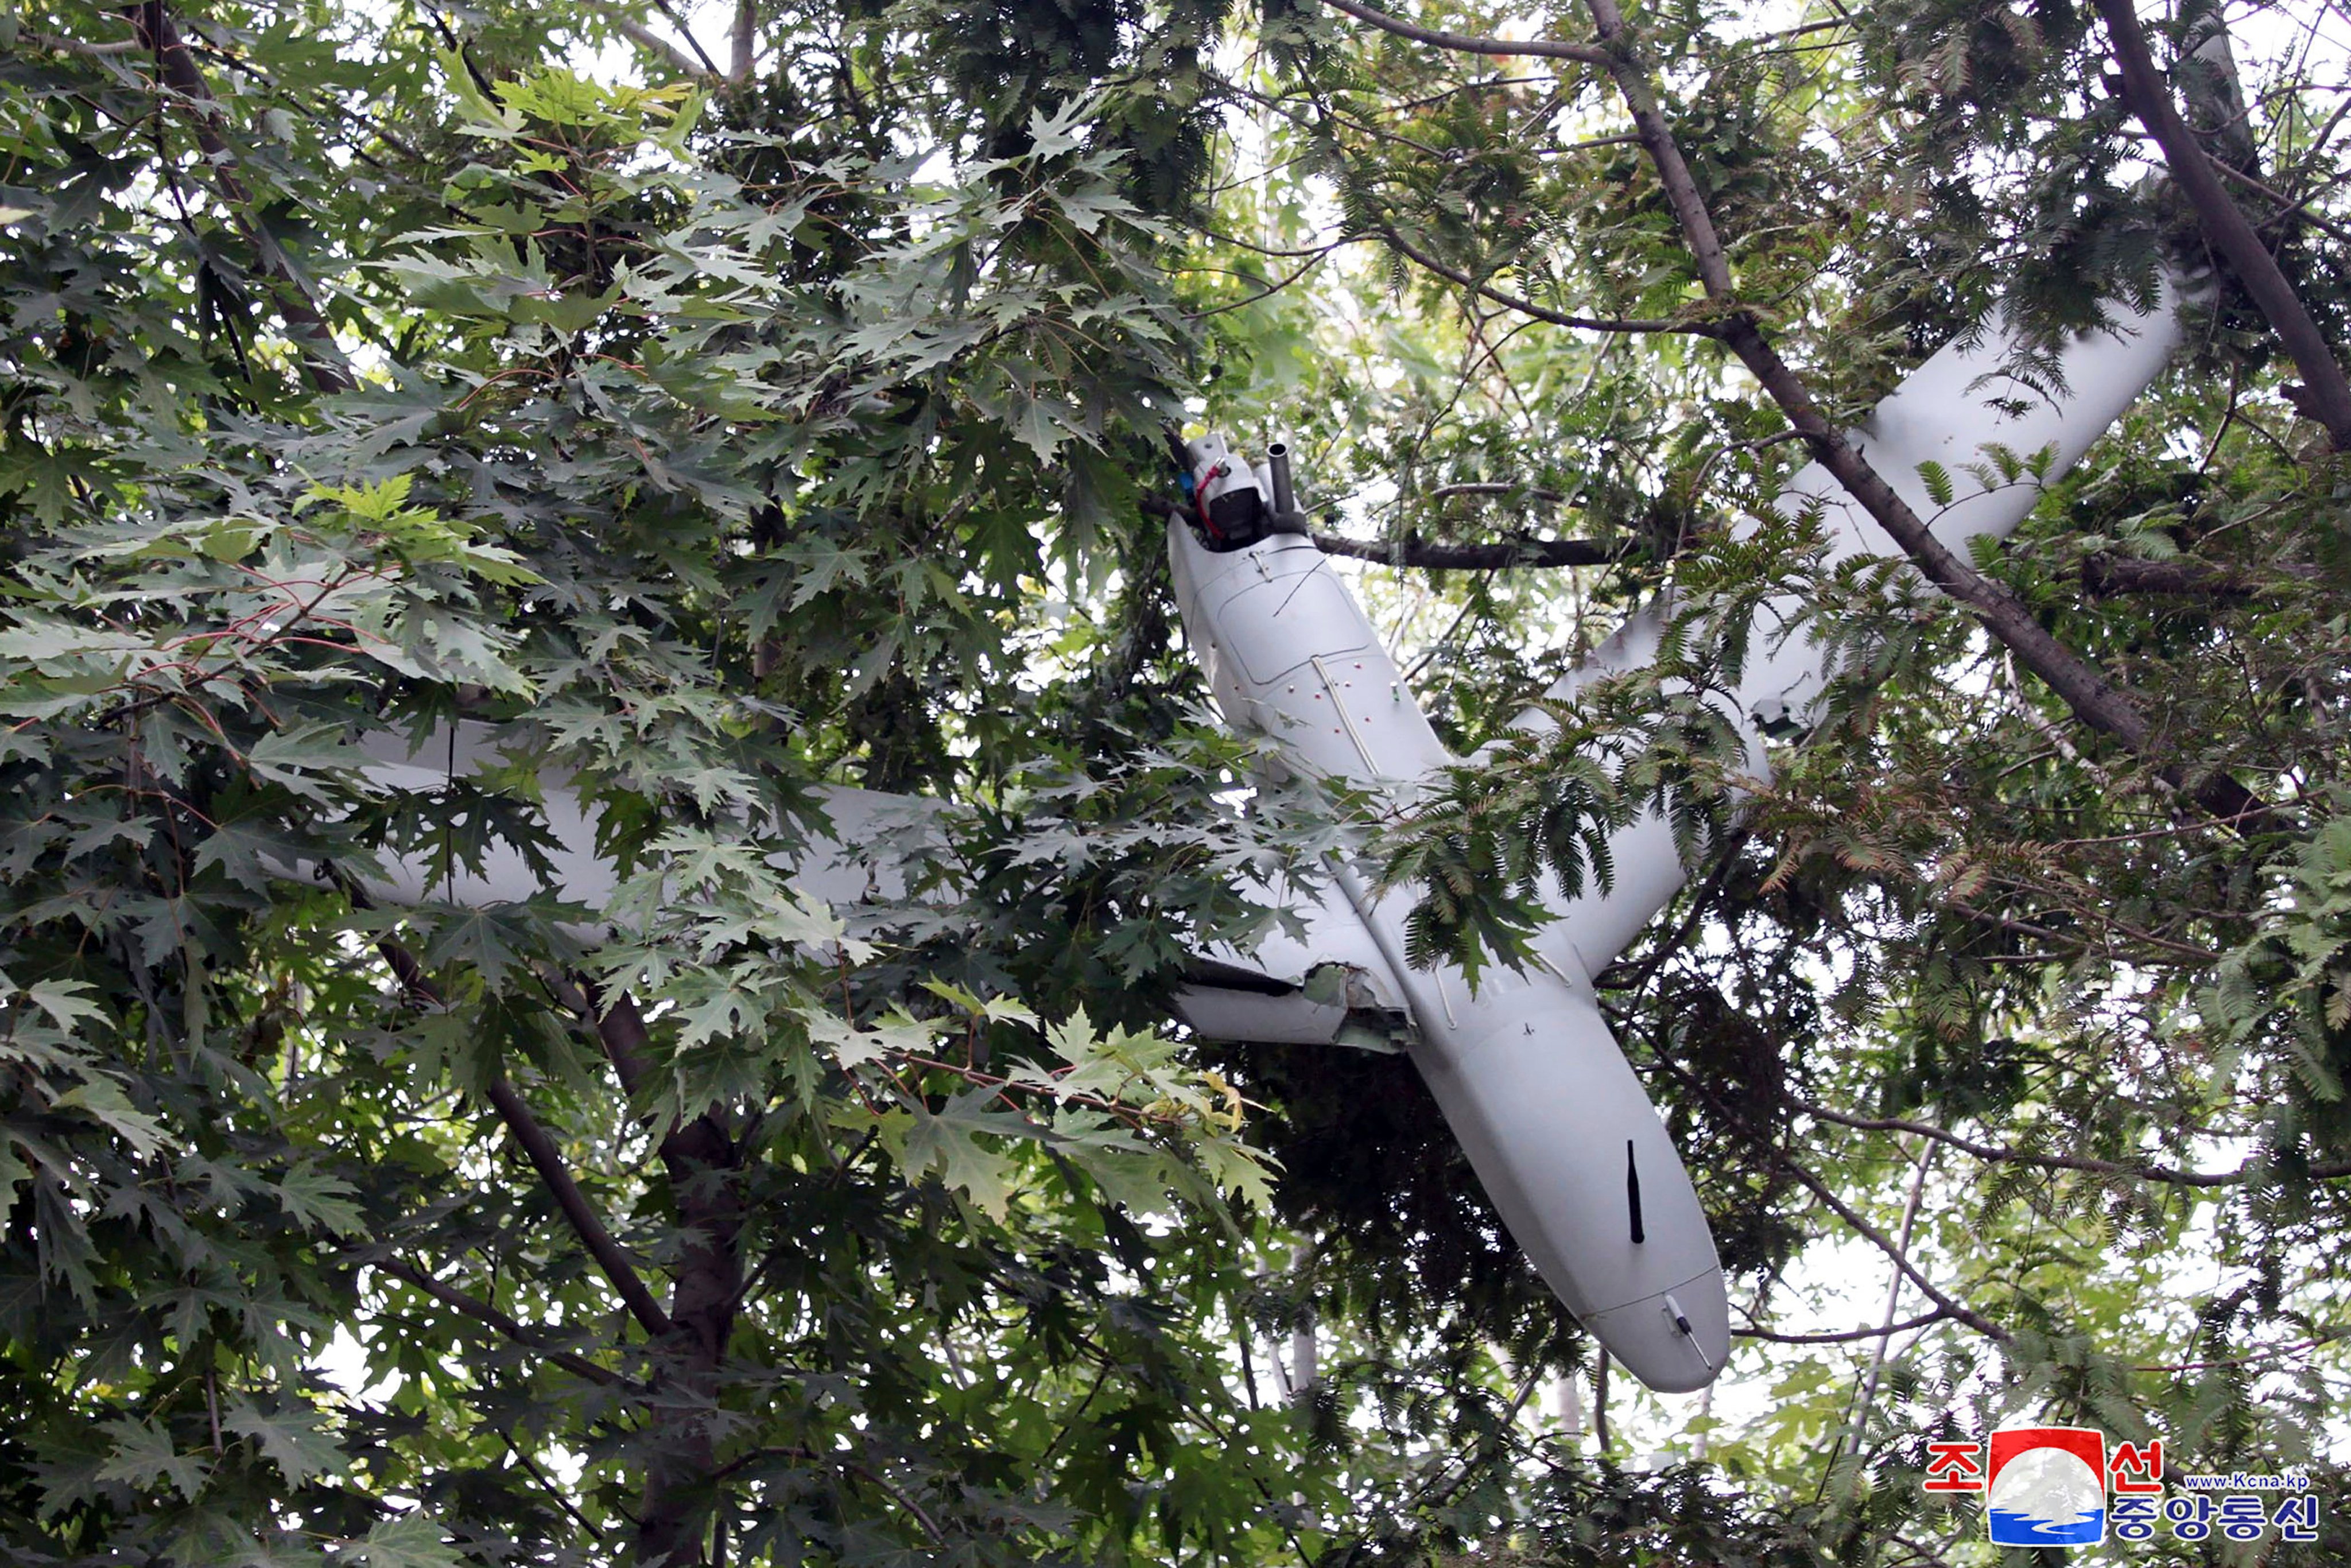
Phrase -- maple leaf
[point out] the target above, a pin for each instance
(295, 1441)
(143, 1455)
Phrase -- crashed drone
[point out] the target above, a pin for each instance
(1530, 1080)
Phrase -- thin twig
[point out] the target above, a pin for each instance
(1992, 1154)
(2330, 1337)
(1883, 1243)
(709, 66)
(898, 1494)
(1923, 1320)
(1528, 307)
(1820, 1189)
(482, 1312)
(2285, 203)
(547, 1484)
(1469, 44)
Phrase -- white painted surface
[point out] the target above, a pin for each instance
(1525, 1070)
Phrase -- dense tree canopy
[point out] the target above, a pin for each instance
(737, 401)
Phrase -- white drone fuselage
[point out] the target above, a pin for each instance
(1528, 1076)
(1530, 1079)
(1524, 1069)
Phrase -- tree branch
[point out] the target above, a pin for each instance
(1468, 44)
(709, 66)
(547, 1160)
(744, 39)
(37, 40)
(652, 43)
(1995, 1155)
(706, 1280)
(900, 1496)
(2273, 1354)
(1267, 292)
(1922, 1320)
(1885, 1244)
(1861, 1227)
(1492, 487)
(482, 1312)
(2106, 573)
(2084, 690)
(2326, 396)
(1528, 307)
(896, 1493)
(2092, 699)
(547, 1484)
(1518, 550)
(322, 359)
(703, 1161)
(2288, 206)
(1682, 196)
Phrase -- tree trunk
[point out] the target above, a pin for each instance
(679, 1499)
(703, 1162)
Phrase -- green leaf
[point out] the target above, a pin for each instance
(103, 1099)
(1039, 424)
(1938, 480)
(854, 1046)
(295, 1440)
(407, 1542)
(66, 1001)
(1052, 132)
(294, 757)
(948, 1145)
(144, 1455)
(719, 1009)
(320, 1201)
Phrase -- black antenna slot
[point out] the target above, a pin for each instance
(1633, 1191)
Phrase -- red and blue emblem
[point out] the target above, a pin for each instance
(2046, 1485)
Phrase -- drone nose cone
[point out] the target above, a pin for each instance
(1674, 1341)
(1583, 1172)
